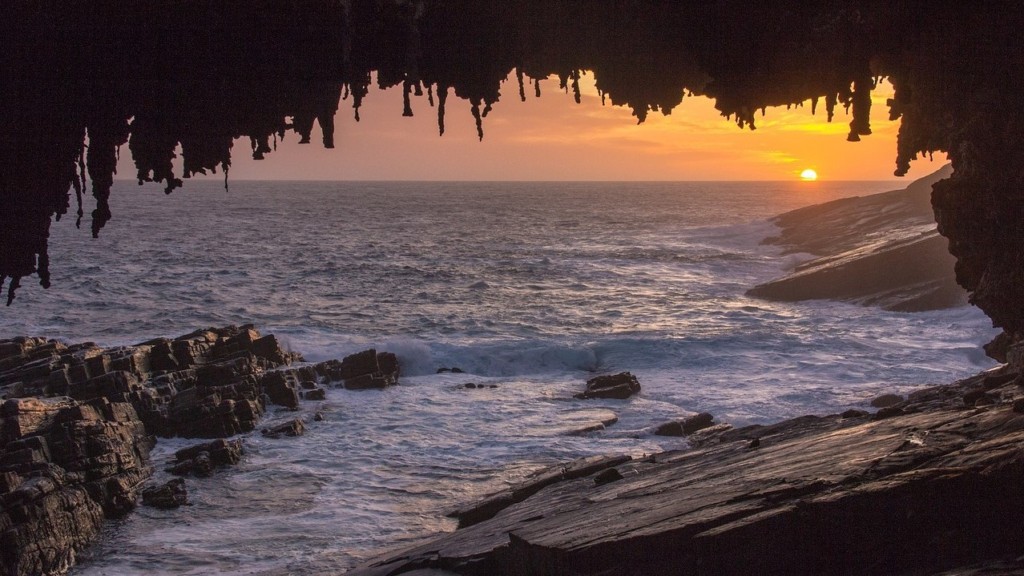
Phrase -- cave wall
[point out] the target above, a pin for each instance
(82, 79)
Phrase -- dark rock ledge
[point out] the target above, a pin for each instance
(77, 423)
(933, 488)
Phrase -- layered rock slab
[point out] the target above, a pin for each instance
(932, 488)
(65, 466)
(881, 250)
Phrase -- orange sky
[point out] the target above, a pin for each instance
(553, 138)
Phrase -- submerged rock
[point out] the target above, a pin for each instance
(618, 386)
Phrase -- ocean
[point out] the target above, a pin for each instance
(527, 287)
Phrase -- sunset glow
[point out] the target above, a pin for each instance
(809, 175)
(552, 138)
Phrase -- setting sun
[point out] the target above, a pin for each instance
(808, 175)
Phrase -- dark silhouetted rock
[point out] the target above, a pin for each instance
(972, 397)
(167, 496)
(495, 503)
(364, 370)
(619, 386)
(607, 476)
(282, 388)
(854, 413)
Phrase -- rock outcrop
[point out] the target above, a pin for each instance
(78, 421)
(65, 466)
(879, 250)
(207, 384)
(931, 489)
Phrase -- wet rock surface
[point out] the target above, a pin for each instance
(77, 424)
(65, 466)
(930, 490)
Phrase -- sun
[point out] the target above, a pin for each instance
(808, 175)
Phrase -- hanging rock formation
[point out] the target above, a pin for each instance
(201, 74)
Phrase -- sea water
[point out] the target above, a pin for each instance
(529, 288)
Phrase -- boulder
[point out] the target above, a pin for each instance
(619, 386)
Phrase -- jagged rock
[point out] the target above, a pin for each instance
(64, 467)
(886, 400)
(687, 426)
(365, 370)
(204, 384)
(167, 496)
(291, 428)
(202, 459)
(619, 386)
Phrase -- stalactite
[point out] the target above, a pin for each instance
(407, 104)
(442, 98)
(476, 116)
(320, 51)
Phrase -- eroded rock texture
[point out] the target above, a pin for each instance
(64, 467)
(77, 423)
(201, 74)
(931, 488)
(210, 383)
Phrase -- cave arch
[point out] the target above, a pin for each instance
(157, 75)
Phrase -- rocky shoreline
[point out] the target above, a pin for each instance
(77, 424)
(925, 485)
